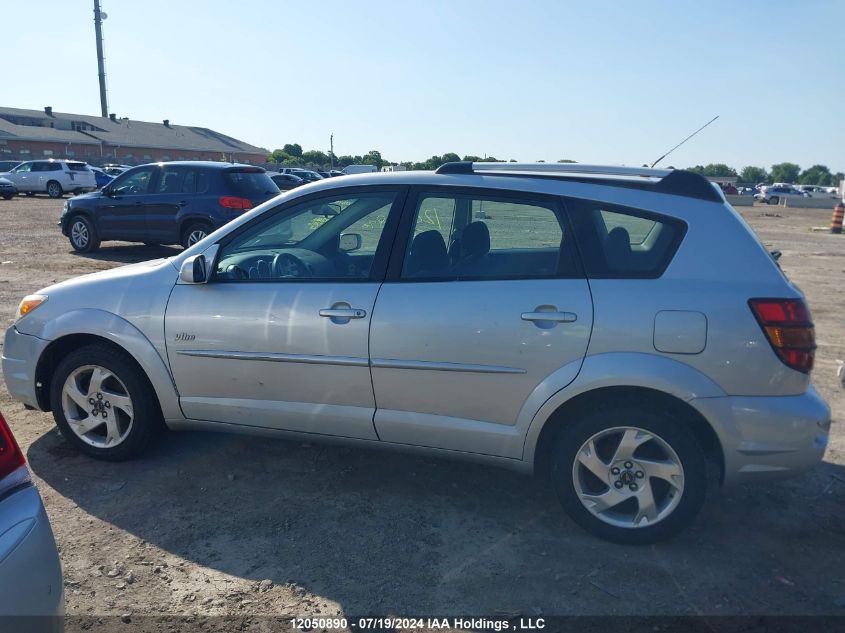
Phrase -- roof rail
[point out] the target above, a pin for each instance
(671, 181)
(466, 167)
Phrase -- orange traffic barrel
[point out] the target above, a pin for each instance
(836, 218)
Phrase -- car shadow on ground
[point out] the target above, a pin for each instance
(131, 253)
(381, 532)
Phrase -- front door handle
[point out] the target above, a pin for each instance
(558, 317)
(343, 313)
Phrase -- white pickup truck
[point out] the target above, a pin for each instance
(53, 177)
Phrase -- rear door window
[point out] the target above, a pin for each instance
(465, 236)
(620, 242)
(77, 166)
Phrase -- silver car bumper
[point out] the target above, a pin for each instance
(768, 437)
(30, 572)
(20, 357)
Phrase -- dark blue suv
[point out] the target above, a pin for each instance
(165, 203)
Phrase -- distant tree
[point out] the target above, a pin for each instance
(293, 149)
(753, 174)
(315, 157)
(373, 157)
(472, 159)
(567, 160)
(450, 157)
(785, 172)
(278, 156)
(541, 161)
(838, 177)
(817, 175)
(491, 159)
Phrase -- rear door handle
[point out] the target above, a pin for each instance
(183, 203)
(343, 313)
(559, 317)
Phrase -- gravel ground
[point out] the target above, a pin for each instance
(213, 524)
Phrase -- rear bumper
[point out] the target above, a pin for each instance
(30, 571)
(20, 358)
(768, 437)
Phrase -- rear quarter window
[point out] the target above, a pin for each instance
(621, 242)
(77, 166)
(249, 183)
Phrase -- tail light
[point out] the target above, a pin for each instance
(234, 202)
(787, 325)
(11, 460)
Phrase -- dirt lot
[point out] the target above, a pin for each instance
(197, 525)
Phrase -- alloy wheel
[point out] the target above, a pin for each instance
(79, 234)
(195, 236)
(97, 406)
(628, 477)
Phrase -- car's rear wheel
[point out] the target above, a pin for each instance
(54, 189)
(83, 235)
(194, 233)
(630, 473)
(774, 200)
(103, 404)
(8, 196)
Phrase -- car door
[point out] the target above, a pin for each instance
(278, 337)
(484, 314)
(121, 209)
(166, 200)
(22, 177)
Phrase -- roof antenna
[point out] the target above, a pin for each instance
(685, 140)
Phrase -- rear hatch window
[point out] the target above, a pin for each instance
(78, 166)
(253, 184)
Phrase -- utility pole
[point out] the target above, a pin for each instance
(331, 149)
(101, 64)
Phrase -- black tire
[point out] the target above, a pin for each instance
(29, 194)
(83, 234)
(9, 196)
(54, 189)
(774, 200)
(147, 419)
(192, 229)
(671, 428)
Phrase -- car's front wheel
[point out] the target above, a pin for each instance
(774, 200)
(630, 473)
(103, 404)
(83, 235)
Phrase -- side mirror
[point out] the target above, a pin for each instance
(193, 270)
(350, 242)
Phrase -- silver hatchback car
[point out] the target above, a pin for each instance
(619, 330)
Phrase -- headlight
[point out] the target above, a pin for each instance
(29, 303)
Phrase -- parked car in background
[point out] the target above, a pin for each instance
(165, 203)
(815, 191)
(773, 194)
(305, 174)
(115, 170)
(335, 172)
(581, 329)
(101, 177)
(285, 182)
(729, 190)
(8, 165)
(30, 571)
(7, 189)
(53, 177)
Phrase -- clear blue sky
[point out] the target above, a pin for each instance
(614, 82)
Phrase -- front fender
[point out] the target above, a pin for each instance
(650, 371)
(122, 333)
